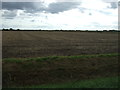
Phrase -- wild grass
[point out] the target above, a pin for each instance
(109, 82)
(61, 69)
(19, 60)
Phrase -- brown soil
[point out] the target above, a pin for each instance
(43, 43)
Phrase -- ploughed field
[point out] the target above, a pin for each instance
(42, 43)
(35, 58)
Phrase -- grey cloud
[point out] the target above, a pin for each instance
(119, 3)
(90, 14)
(61, 6)
(9, 14)
(114, 5)
(32, 20)
(33, 7)
(28, 7)
(17, 5)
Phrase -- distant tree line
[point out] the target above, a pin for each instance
(11, 29)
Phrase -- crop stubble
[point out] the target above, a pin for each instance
(40, 43)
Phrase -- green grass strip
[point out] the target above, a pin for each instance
(109, 82)
(59, 57)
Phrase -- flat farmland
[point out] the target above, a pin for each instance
(20, 44)
(42, 59)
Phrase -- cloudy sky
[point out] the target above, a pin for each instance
(60, 14)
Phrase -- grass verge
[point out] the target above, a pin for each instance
(58, 57)
(109, 82)
(60, 69)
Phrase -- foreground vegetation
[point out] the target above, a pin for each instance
(17, 60)
(109, 82)
(24, 72)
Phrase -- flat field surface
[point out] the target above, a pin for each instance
(35, 58)
(42, 43)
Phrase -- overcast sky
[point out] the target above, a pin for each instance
(57, 14)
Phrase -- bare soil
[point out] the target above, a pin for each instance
(42, 43)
